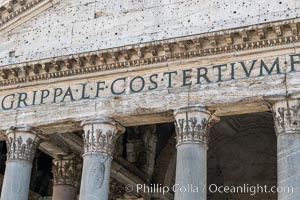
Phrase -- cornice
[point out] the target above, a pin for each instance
(11, 9)
(221, 42)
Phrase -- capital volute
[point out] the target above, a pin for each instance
(192, 124)
(100, 135)
(22, 142)
(286, 115)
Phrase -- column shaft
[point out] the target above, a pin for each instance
(191, 172)
(21, 145)
(95, 178)
(287, 125)
(64, 192)
(288, 160)
(16, 181)
(192, 125)
(66, 177)
(99, 140)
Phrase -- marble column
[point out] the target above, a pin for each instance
(192, 124)
(21, 145)
(287, 126)
(66, 178)
(99, 139)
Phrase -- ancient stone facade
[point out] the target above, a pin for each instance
(145, 99)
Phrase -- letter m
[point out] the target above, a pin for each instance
(263, 67)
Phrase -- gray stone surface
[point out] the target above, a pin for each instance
(191, 172)
(66, 177)
(73, 26)
(288, 155)
(99, 140)
(16, 181)
(95, 177)
(21, 144)
(287, 120)
(64, 192)
(192, 124)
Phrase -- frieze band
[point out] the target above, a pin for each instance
(191, 77)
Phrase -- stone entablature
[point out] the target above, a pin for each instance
(222, 42)
(227, 97)
(256, 77)
(143, 83)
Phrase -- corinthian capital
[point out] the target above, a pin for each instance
(287, 116)
(22, 142)
(192, 125)
(100, 135)
(67, 171)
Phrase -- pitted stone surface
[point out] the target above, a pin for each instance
(70, 27)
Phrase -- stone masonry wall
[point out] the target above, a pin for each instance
(76, 26)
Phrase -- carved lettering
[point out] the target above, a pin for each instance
(148, 82)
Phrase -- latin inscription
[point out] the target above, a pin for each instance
(151, 82)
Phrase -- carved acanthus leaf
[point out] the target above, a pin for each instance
(101, 137)
(192, 130)
(287, 119)
(21, 143)
(66, 172)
